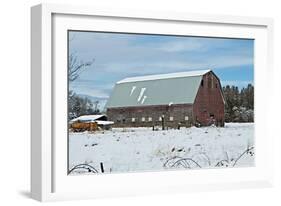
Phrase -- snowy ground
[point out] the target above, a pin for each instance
(141, 149)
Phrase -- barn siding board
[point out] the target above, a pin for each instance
(122, 116)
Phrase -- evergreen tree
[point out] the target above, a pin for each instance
(239, 105)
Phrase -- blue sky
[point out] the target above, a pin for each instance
(125, 55)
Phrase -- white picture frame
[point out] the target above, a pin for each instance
(49, 179)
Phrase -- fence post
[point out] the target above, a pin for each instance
(101, 167)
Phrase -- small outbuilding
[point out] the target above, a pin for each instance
(173, 100)
(90, 123)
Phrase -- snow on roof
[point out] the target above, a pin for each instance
(100, 122)
(164, 76)
(87, 118)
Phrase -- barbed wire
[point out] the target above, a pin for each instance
(86, 167)
(185, 162)
(248, 150)
(178, 161)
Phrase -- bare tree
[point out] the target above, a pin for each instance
(96, 104)
(76, 67)
(77, 106)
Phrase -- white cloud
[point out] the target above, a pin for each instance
(123, 55)
(180, 46)
(88, 87)
(120, 56)
(166, 66)
(91, 92)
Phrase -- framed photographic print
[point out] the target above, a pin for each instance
(135, 102)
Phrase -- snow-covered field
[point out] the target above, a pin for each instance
(141, 149)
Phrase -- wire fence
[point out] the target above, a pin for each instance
(175, 162)
(83, 168)
(192, 163)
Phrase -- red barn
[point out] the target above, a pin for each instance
(175, 99)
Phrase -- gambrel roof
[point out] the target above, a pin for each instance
(163, 89)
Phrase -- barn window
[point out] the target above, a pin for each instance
(186, 118)
(171, 118)
(160, 118)
(149, 119)
(133, 119)
(124, 120)
(143, 119)
(202, 83)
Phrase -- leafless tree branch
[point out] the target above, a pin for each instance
(76, 67)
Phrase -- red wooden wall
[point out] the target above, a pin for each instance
(208, 107)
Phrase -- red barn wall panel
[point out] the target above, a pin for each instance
(209, 104)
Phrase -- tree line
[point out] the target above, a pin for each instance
(78, 106)
(239, 104)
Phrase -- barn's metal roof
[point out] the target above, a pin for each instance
(163, 89)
